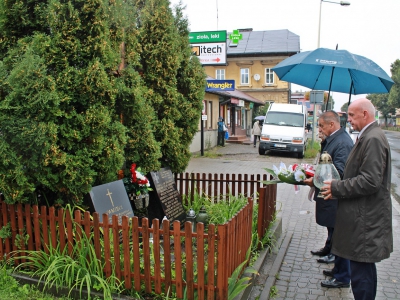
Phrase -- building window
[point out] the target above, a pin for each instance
(210, 114)
(244, 76)
(269, 76)
(220, 74)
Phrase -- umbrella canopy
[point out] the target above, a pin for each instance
(260, 118)
(334, 70)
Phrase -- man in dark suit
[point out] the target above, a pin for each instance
(338, 144)
(363, 229)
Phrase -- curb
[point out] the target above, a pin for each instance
(259, 263)
(63, 291)
(269, 283)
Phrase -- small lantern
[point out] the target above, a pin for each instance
(325, 171)
(202, 216)
(191, 217)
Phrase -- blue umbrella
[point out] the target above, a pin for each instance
(334, 70)
(259, 118)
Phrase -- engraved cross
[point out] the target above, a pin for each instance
(109, 195)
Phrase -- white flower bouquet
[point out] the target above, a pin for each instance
(294, 174)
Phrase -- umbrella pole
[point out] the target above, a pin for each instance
(329, 93)
(351, 87)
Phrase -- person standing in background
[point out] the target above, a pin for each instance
(256, 131)
(363, 230)
(221, 132)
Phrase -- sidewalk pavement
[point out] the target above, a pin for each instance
(293, 271)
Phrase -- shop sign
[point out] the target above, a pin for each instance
(207, 37)
(235, 37)
(241, 103)
(234, 101)
(210, 53)
(220, 85)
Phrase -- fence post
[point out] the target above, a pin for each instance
(222, 263)
(266, 208)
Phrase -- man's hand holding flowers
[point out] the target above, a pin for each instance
(294, 174)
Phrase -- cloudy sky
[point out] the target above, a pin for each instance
(370, 28)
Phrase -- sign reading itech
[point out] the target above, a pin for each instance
(209, 47)
(220, 85)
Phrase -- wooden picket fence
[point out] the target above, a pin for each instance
(162, 257)
(217, 185)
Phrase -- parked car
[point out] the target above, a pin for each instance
(284, 129)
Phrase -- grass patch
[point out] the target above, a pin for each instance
(312, 149)
(397, 128)
(209, 154)
(10, 288)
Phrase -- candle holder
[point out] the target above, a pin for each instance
(325, 171)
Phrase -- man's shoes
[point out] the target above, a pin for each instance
(320, 252)
(328, 273)
(329, 259)
(254, 146)
(333, 283)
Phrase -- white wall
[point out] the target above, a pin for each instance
(210, 140)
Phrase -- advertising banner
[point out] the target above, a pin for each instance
(207, 37)
(210, 53)
(220, 85)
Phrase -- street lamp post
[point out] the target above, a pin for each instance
(342, 3)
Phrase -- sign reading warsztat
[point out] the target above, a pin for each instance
(220, 85)
(207, 37)
(210, 53)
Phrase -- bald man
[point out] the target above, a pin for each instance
(363, 228)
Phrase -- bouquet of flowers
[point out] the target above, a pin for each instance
(294, 174)
(137, 183)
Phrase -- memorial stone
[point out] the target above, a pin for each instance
(165, 200)
(111, 198)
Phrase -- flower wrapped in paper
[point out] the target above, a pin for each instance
(294, 174)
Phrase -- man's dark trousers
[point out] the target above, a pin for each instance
(341, 271)
(221, 138)
(363, 280)
(328, 243)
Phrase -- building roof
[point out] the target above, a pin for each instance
(264, 42)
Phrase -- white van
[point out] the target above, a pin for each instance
(284, 129)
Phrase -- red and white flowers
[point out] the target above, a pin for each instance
(294, 174)
(137, 183)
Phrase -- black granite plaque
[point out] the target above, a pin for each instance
(111, 198)
(167, 195)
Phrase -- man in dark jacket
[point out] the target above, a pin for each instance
(363, 230)
(338, 144)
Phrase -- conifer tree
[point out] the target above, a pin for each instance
(137, 115)
(57, 116)
(88, 85)
(175, 81)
